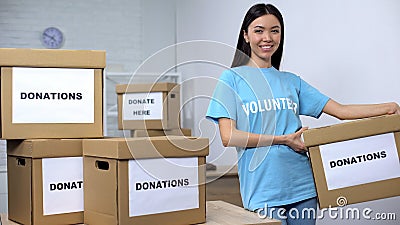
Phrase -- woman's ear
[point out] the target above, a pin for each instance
(245, 36)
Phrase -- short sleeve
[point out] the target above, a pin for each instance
(223, 102)
(311, 101)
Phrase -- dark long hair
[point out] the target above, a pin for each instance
(243, 50)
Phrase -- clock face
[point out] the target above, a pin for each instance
(52, 38)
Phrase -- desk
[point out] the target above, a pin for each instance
(218, 213)
(223, 213)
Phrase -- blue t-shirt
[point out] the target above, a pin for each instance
(268, 101)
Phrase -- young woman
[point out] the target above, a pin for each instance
(257, 108)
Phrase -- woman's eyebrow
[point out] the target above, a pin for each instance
(259, 26)
(262, 27)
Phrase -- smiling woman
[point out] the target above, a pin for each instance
(264, 36)
(262, 23)
(267, 137)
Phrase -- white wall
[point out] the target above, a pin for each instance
(347, 49)
(114, 26)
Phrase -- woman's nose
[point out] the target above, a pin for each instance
(267, 37)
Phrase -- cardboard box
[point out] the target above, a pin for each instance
(45, 181)
(141, 181)
(51, 93)
(355, 161)
(156, 133)
(148, 106)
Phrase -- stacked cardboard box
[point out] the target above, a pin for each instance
(157, 180)
(45, 181)
(51, 93)
(150, 110)
(49, 98)
(61, 170)
(355, 161)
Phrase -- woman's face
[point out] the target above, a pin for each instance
(264, 35)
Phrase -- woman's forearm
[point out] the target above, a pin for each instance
(232, 137)
(238, 138)
(348, 112)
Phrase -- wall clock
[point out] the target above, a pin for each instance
(52, 37)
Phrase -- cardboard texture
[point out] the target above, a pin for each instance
(170, 107)
(372, 127)
(156, 133)
(25, 180)
(46, 58)
(106, 177)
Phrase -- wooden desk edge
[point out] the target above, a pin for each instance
(213, 216)
(222, 213)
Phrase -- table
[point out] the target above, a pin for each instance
(218, 213)
(223, 213)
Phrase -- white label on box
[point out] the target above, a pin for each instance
(360, 161)
(142, 106)
(52, 95)
(62, 185)
(163, 185)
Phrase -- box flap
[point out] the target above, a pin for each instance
(146, 147)
(45, 148)
(160, 132)
(352, 130)
(150, 87)
(58, 58)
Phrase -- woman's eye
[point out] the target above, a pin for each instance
(275, 31)
(258, 31)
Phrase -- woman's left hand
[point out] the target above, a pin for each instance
(394, 108)
(295, 142)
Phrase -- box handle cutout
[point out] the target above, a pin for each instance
(21, 162)
(102, 165)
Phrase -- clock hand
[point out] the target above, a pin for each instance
(51, 37)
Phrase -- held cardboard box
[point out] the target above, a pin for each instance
(141, 181)
(48, 93)
(156, 133)
(45, 181)
(148, 106)
(355, 161)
